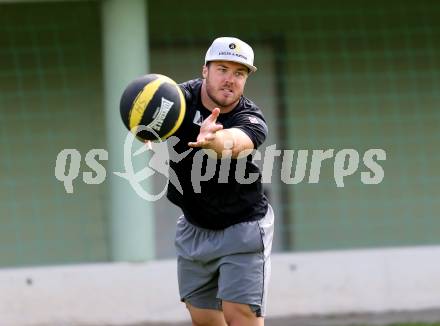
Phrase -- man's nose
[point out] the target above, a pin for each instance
(229, 77)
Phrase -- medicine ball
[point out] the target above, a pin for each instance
(156, 102)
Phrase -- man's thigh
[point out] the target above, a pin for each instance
(198, 284)
(244, 277)
(242, 280)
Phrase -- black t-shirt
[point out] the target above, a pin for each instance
(220, 201)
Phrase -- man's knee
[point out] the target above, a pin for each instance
(240, 314)
(205, 317)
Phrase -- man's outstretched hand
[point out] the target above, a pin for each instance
(208, 130)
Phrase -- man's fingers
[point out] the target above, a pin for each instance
(217, 127)
(214, 114)
(196, 144)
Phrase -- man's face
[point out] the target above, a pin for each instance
(225, 82)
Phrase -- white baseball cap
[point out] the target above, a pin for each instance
(231, 49)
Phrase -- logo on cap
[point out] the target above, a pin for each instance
(232, 46)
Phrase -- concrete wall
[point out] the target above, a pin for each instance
(339, 282)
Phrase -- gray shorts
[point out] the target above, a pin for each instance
(231, 264)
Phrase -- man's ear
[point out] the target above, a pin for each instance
(205, 71)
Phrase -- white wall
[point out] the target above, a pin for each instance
(302, 284)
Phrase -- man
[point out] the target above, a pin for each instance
(224, 237)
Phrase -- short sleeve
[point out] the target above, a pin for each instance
(253, 125)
